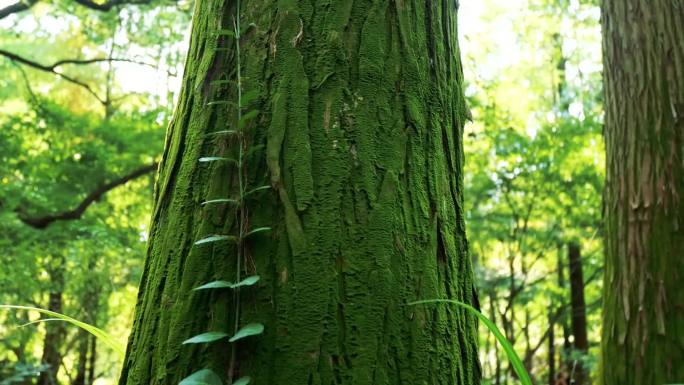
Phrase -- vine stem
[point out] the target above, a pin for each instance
(241, 209)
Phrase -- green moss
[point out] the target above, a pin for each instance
(362, 146)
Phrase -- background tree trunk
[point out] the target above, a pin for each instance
(643, 330)
(579, 309)
(361, 117)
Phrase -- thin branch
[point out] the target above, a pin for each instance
(108, 5)
(42, 222)
(52, 68)
(19, 6)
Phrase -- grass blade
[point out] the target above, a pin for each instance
(100, 334)
(508, 348)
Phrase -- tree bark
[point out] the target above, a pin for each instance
(551, 355)
(54, 332)
(643, 331)
(361, 119)
(579, 310)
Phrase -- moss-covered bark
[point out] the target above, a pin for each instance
(643, 331)
(361, 125)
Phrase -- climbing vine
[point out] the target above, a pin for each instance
(243, 229)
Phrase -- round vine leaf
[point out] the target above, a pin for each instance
(243, 381)
(215, 238)
(202, 377)
(248, 331)
(205, 338)
(216, 285)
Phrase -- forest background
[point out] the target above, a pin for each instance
(87, 91)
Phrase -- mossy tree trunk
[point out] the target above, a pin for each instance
(643, 331)
(361, 117)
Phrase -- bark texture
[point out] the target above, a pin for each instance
(361, 117)
(643, 332)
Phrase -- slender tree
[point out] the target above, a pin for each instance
(359, 136)
(643, 331)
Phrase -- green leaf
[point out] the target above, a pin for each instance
(202, 377)
(215, 238)
(508, 348)
(222, 82)
(221, 103)
(243, 381)
(205, 338)
(249, 281)
(208, 159)
(258, 230)
(247, 117)
(260, 188)
(249, 97)
(254, 149)
(223, 132)
(248, 331)
(216, 285)
(221, 200)
(226, 32)
(100, 334)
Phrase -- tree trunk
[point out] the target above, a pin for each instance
(563, 320)
(643, 331)
(82, 360)
(579, 310)
(551, 357)
(361, 117)
(54, 331)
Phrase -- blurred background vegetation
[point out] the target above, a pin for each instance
(87, 89)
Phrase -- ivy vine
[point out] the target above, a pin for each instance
(244, 115)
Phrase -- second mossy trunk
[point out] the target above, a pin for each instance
(359, 136)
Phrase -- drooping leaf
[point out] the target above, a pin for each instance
(248, 331)
(221, 103)
(223, 132)
(254, 149)
(220, 200)
(249, 97)
(208, 159)
(205, 338)
(215, 238)
(247, 117)
(222, 82)
(216, 285)
(202, 377)
(226, 32)
(243, 381)
(100, 334)
(249, 281)
(508, 348)
(258, 230)
(260, 188)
